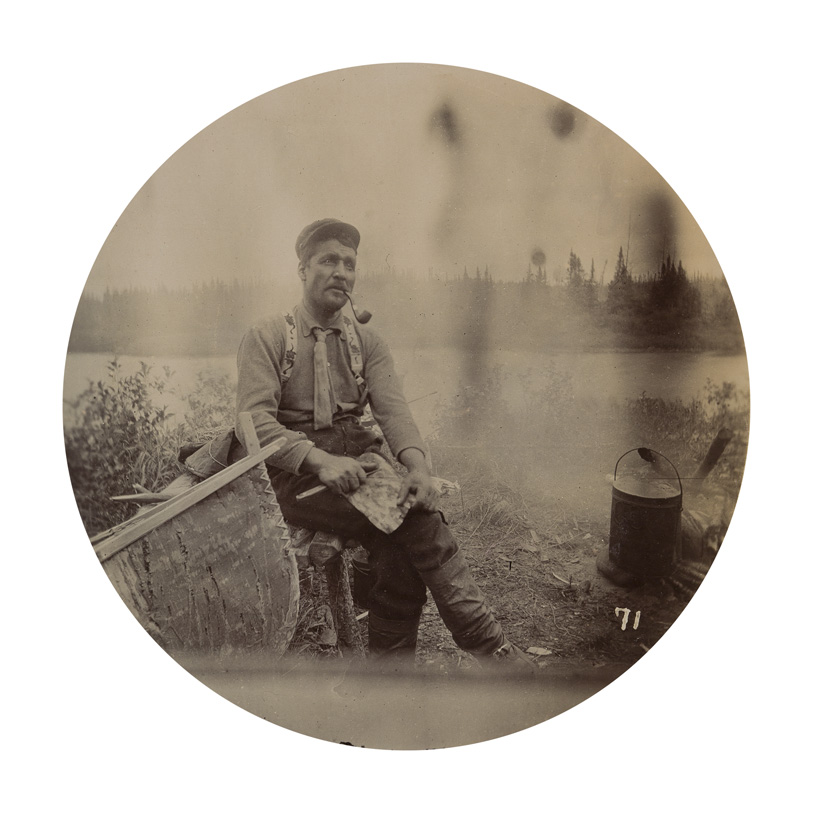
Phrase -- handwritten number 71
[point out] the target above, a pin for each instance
(626, 616)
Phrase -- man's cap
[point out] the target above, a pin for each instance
(325, 230)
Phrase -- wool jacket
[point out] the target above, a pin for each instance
(277, 409)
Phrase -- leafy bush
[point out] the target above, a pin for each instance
(119, 438)
(684, 430)
(211, 406)
(549, 445)
(541, 441)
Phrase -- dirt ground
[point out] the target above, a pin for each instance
(537, 566)
(552, 600)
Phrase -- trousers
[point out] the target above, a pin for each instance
(400, 562)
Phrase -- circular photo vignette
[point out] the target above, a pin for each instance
(560, 330)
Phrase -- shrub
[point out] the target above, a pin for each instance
(119, 438)
(684, 430)
(211, 406)
(549, 445)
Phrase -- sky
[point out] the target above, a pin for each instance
(440, 168)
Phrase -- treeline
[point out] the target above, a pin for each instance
(204, 320)
(662, 310)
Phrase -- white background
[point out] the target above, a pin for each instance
(97, 96)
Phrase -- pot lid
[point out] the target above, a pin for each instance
(656, 488)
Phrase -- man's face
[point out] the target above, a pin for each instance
(327, 275)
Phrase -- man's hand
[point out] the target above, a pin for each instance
(418, 491)
(342, 475)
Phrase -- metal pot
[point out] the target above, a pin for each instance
(645, 519)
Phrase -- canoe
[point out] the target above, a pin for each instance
(211, 568)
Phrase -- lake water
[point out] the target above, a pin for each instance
(432, 377)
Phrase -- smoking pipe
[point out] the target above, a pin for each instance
(362, 317)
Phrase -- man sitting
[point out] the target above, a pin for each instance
(315, 399)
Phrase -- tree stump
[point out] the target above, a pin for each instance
(327, 610)
(340, 600)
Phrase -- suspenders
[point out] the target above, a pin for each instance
(353, 345)
(289, 356)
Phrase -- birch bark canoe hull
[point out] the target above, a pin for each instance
(219, 576)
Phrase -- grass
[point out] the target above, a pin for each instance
(534, 508)
(531, 514)
(549, 453)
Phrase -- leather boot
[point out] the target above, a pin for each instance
(392, 643)
(509, 657)
(465, 612)
(463, 607)
(362, 578)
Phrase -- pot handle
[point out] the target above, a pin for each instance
(646, 454)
